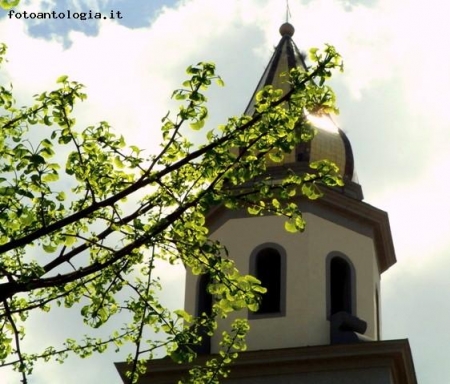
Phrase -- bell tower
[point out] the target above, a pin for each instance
(328, 274)
(320, 320)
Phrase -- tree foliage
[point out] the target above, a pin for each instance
(8, 4)
(84, 232)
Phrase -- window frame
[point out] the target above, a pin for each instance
(352, 278)
(203, 304)
(283, 277)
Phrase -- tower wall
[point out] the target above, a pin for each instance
(304, 319)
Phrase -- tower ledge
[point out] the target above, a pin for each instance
(370, 363)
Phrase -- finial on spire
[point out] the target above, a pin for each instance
(287, 29)
(288, 11)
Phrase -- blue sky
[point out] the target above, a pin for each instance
(393, 98)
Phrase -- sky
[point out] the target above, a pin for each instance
(393, 97)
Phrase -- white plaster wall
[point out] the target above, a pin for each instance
(305, 322)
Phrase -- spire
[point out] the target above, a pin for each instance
(333, 146)
(286, 57)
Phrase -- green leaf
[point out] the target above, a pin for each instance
(276, 156)
(27, 220)
(290, 226)
(252, 279)
(49, 248)
(62, 79)
(118, 162)
(184, 315)
(8, 4)
(61, 196)
(37, 159)
(198, 125)
(69, 240)
(254, 210)
(49, 177)
(311, 191)
(47, 120)
(179, 95)
(259, 289)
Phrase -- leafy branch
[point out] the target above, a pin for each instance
(86, 235)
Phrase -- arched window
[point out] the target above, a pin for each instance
(341, 295)
(377, 308)
(204, 298)
(268, 266)
(204, 305)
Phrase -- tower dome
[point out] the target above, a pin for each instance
(331, 144)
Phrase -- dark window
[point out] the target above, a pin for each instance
(377, 308)
(340, 286)
(268, 271)
(204, 298)
(302, 152)
(204, 305)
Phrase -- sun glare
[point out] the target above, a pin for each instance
(324, 122)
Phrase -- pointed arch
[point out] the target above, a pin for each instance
(268, 264)
(341, 284)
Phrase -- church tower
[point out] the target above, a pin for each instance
(320, 320)
(334, 266)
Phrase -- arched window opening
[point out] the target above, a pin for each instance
(340, 286)
(204, 298)
(204, 305)
(377, 308)
(268, 271)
